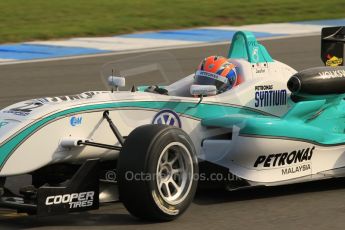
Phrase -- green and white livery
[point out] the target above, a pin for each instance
(268, 130)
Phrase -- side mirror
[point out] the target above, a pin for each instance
(116, 82)
(203, 90)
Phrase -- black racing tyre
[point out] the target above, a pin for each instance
(156, 172)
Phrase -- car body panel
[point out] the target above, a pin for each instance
(255, 129)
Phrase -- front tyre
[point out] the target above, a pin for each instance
(156, 169)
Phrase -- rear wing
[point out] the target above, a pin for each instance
(333, 45)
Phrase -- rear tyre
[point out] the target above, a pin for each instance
(156, 169)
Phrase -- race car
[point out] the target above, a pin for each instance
(145, 146)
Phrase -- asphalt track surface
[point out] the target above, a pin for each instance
(315, 205)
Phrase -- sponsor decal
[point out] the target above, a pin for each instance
(18, 113)
(86, 95)
(3, 123)
(266, 96)
(281, 159)
(74, 121)
(333, 61)
(260, 70)
(75, 200)
(167, 117)
(211, 75)
(296, 169)
(332, 74)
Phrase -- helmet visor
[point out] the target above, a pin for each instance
(207, 78)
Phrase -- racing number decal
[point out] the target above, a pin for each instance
(24, 110)
(28, 107)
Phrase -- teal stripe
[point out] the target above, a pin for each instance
(200, 111)
(317, 121)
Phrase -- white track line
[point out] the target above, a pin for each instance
(274, 28)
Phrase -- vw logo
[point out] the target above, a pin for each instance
(167, 117)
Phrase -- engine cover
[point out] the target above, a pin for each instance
(318, 81)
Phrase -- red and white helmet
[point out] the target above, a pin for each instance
(218, 71)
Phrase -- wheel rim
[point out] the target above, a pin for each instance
(174, 175)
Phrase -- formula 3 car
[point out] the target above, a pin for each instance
(278, 126)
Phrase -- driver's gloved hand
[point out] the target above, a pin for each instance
(156, 89)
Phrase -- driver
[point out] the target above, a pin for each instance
(217, 71)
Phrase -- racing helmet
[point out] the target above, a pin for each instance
(217, 71)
